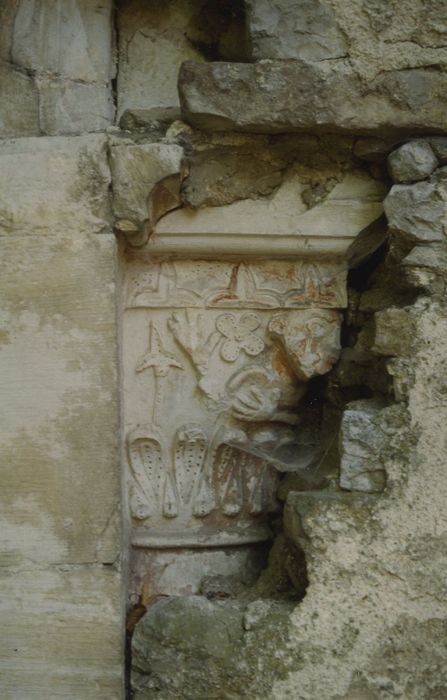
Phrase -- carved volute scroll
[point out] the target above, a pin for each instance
(218, 349)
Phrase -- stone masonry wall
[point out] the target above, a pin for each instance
(60, 575)
(111, 116)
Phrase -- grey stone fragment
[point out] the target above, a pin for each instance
(221, 176)
(155, 118)
(433, 257)
(361, 443)
(373, 149)
(294, 29)
(416, 210)
(136, 168)
(284, 96)
(439, 146)
(394, 332)
(191, 648)
(413, 161)
(152, 42)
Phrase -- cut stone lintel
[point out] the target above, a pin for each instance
(285, 96)
(277, 227)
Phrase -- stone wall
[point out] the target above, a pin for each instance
(129, 128)
(61, 592)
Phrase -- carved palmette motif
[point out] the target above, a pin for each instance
(256, 285)
(205, 477)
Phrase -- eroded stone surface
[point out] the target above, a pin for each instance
(216, 642)
(291, 29)
(54, 185)
(152, 45)
(417, 210)
(412, 161)
(136, 168)
(58, 58)
(59, 419)
(276, 96)
(362, 442)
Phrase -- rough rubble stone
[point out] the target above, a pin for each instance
(210, 648)
(394, 332)
(413, 161)
(417, 210)
(294, 29)
(221, 176)
(433, 257)
(281, 96)
(378, 559)
(155, 119)
(392, 36)
(361, 445)
(373, 149)
(439, 146)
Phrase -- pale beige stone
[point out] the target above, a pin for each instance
(60, 633)
(60, 523)
(280, 225)
(152, 45)
(54, 185)
(56, 67)
(136, 168)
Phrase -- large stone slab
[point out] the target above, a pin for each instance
(56, 67)
(418, 210)
(54, 185)
(60, 634)
(280, 96)
(60, 511)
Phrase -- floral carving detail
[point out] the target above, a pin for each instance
(157, 357)
(239, 335)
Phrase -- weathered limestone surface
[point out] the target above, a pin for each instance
(136, 168)
(376, 36)
(60, 530)
(222, 636)
(277, 96)
(153, 42)
(419, 210)
(55, 67)
(361, 447)
(412, 161)
(294, 29)
(290, 222)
